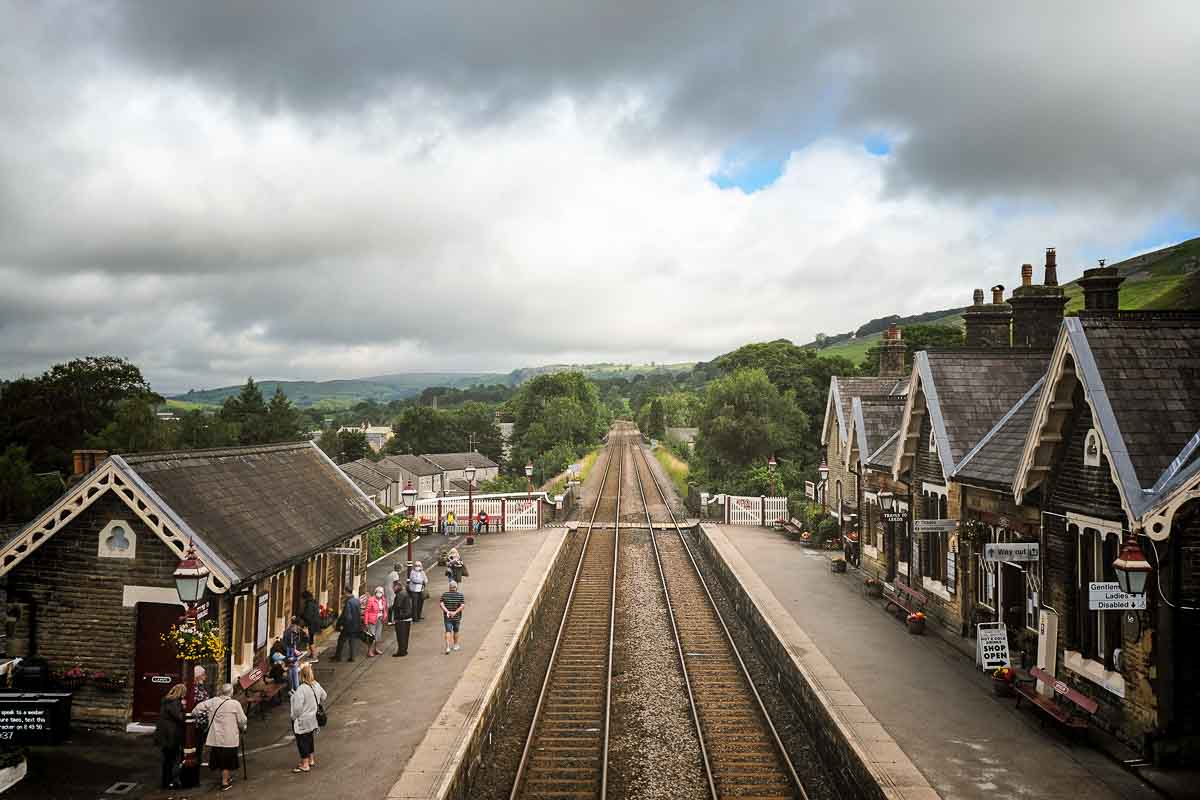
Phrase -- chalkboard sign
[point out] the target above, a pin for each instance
(33, 719)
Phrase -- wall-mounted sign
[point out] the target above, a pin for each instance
(347, 551)
(260, 638)
(1012, 551)
(810, 490)
(991, 646)
(202, 610)
(161, 678)
(1108, 596)
(894, 516)
(934, 525)
(951, 577)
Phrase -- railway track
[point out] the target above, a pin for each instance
(742, 753)
(566, 752)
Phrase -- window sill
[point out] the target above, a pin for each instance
(936, 587)
(1095, 672)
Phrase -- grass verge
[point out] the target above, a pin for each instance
(676, 469)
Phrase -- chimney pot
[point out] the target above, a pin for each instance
(997, 294)
(978, 297)
(1027, 274)
(1051, 267)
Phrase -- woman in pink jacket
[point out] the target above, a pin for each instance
(375, 616)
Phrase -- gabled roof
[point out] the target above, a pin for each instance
(966, 391)
(457, 461)
(247, 510)
(1140, 374)
(366, 476)
(409, 463)
(882, 458)
(842, 392)
(993, 461)
(873, 420)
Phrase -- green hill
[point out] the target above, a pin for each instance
(1164, 279)
(336, 394)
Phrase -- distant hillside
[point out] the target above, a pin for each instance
(1164, 279)
(602, 370)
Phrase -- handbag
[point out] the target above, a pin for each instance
(322, 717)
(368, 637)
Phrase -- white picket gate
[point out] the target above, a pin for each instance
(741, 510)
(505, 511)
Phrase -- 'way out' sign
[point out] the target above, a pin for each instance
(1109, 597)
(1011, 551)
(991, 645)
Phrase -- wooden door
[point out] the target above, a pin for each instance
(299, 583)
(156, 669)
(1012, 597)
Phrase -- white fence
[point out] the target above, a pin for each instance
(505, 511)
(754, 510)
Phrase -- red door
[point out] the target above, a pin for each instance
(156, 669)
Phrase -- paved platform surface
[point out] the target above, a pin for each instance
(927, 696)
(379, 709)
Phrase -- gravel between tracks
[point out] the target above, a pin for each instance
(790, 726)
(653, 749)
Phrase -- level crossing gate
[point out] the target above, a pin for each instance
(520, 512)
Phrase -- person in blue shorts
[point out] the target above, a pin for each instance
(452, 604)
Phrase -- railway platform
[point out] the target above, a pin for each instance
(924, 696)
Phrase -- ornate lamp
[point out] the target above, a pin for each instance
(887, 501)
(823, 471)
(190, 578)
(1132, 568)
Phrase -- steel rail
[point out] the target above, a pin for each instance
(766, 717)
(687, 681)
(523, 766)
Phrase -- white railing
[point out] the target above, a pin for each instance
(760, 510)
(505, 511)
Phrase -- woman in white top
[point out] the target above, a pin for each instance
(305, 702)
(226, 721)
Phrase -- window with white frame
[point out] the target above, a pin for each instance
(1098, 633)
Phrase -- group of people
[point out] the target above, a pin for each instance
(221, 719)
(399, 604)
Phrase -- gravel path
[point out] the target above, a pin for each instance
(653, 750)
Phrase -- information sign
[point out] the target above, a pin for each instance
(950, 572)
(34, 718)
(1108, 596)
(894, 516)
(991, 646)
(260, 639)
(346, 551)
(810, 490)
(1012, 551)
(934, 525)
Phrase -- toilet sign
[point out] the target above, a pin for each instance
(1107, 596)
(991, 645)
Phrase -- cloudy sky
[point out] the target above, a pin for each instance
(318, 190)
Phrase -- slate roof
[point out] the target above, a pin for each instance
(875, 420)
(883, 457)
(413, 464)
(366, 476)
(1149, 364)
(457, 461)
(842, 392)
(257, 507)
(994, 460)
(969, 390)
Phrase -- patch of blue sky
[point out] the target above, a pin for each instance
(752, 174)
(877, 144)
(1169, 230)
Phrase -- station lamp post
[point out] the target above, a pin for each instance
(771, 464)
(887, 503)
(469, 474)
(409, 496)
(823, 474)
(1132, 568)
(529, 482)
(190, 578)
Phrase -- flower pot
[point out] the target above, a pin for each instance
(916, 627)
(873, 589)
(1002, 688)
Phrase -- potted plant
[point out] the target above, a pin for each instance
(1002, 681)
(837, 564)
(916, 623)
(109, 682)
(196, 641)
(72, 678)
(806, 538)
(873, 587)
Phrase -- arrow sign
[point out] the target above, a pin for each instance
(934, 525)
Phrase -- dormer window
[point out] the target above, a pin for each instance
(1091, 449)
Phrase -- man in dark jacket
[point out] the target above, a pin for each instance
(311, 614)
(349, 624)
(402, 615)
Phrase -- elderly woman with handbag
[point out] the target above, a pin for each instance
(226, 721)
(308, 715)
(375, 614)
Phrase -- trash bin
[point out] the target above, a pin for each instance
(32, 674)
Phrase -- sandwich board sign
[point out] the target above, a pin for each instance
(991, 645)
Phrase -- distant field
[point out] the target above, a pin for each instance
(678, 470)
(188, 405)
(856, 349)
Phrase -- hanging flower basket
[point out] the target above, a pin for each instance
(107, 682)
(196, 641)
(916, 623)
(71, 679)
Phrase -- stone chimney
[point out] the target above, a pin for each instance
(1037, 311)
(1101, 288)
(988, 325)
(84, 461)
(891, 354)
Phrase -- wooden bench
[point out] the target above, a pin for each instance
(1064, 712)
(260, 697)
(903, 598)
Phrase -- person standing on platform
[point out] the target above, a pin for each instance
(293, 644)
(375, 615)
(452, 604)
(168, 734)
(226, 721)
(416, 589)
(310, 612)
(305, 702)
(389, 585)
(349, 624)
(402, 616)
(454, 566)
